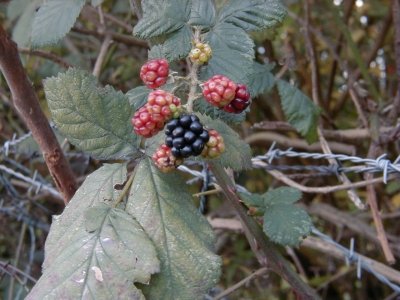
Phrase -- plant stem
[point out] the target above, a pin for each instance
(27, 105)
(266, 252)
(126, 188)
(193, 77)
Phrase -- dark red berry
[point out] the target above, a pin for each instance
(154, 73)
(219, 90)
(240, 102)
(147, 124)
(160, 107)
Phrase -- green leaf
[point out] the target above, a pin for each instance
(54, 20)
(253, 14)
(261, 80)
(286, 224)
(299, 110)
(100, 263)
(138, 96)
(157, 51)
(96, 120)
(205, 108)
(21, 33)
(182, 236)
(96, 2)
(162, 17)
(202, 13)
(95, 251)
(237, 153)
(231, 38)
(97, 188)
(15, 9)
(232, 55)
(253, 200)
(178, 44)
(282, 195)
(232, 64)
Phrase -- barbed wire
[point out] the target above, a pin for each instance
(350, 255)
(368, 165)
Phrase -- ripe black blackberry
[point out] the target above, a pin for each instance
(186, 136)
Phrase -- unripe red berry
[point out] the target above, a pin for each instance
(215, 145)
(154, 73)
(145, 123)
(164, 160)
(241, 100)
(219, 90)
(164, 103)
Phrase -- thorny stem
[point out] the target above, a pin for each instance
(193, 77)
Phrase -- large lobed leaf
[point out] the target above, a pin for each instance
(162, 17)
(253, 14)
(54, 20)
(177, 45)
(237, 154)
(94, 251)
(261, 80)
(299, 110)
(284, 222)
(202, 13)
(96, 120)
(182, 236)
(232, 54)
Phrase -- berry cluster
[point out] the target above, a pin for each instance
(222, 92)
(160, 107)
(200, 54)
(154, 73)
(186, 136)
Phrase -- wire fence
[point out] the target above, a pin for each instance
(359, 165)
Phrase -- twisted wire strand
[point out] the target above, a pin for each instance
(380, 164)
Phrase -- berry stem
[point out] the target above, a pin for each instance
(193, 76)
(126, 188)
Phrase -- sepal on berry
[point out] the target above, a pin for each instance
(215, 145)
(154, 73)
(164, 160)
(219, 90)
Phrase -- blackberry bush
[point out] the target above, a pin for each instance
(140, 227)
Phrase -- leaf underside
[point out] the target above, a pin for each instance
(94, 251)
